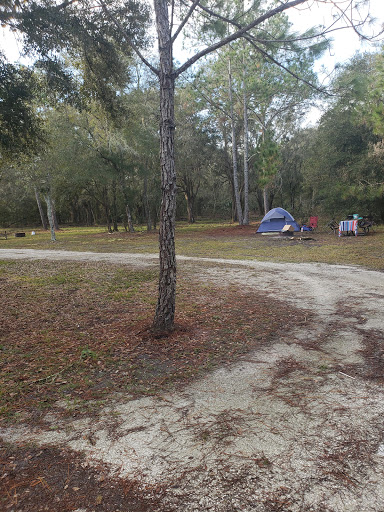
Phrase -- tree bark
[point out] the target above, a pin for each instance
(265, 200)
(129, 218)
(259, 198)
(114, 207)
(50, 215)
(165, 310)
(105, 203)
(190, 208)
(146, 205)
(234, 152)
(41, 211)
(127, 208)
(54, 216)
(246, 149)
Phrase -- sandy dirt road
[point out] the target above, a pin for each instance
(295, 426)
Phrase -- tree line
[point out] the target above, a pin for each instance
(99, 170)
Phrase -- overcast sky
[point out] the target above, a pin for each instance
(346, 42)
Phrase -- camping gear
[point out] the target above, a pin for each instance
(333, 226)
(313, 222)
(365, 222)
(275, 220)
(287, 229)
(348, 226)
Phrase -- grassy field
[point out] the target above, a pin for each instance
(219, 240)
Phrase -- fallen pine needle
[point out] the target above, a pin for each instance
(346, 375)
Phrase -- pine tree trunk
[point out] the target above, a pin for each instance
(234, 151)
(41, 211)
(246, 151)
(165, 310)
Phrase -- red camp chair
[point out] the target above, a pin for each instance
(313, 222)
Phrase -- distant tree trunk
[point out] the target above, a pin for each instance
(234, 149)
(260, 202)
(51, 219)
(92, 215)
(229, 173)
(165, 310)
(89, 215)
(107, 209)
(147, 208)
(155, 215)
(190, 208)
(129, 218)
(54, 216)
(190, 190)
(265, 200)
(41, 211)
(74, 215)
(114, 207)
(233, 203)
(127, 208)
(271, 197)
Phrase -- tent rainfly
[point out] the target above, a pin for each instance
(275, 220)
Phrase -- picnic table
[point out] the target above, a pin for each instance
(348, 226)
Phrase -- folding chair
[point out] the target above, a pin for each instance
(313, 222)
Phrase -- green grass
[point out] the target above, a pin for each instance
(217, 240)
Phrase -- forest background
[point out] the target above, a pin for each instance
(87, 146)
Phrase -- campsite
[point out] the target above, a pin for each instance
(191, 256)
(267, 395)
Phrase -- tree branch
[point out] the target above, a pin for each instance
(210, 101)
(236, 35)
(269, 41)
(63, 5)
(252, 40)
(263, 52)
(128, 39)
(184, 21)
(343, 15)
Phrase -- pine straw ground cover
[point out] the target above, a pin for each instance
(59, 480)
(78, 333)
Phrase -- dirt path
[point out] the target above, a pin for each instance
(297, 426)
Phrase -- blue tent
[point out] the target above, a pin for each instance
(276, 219)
